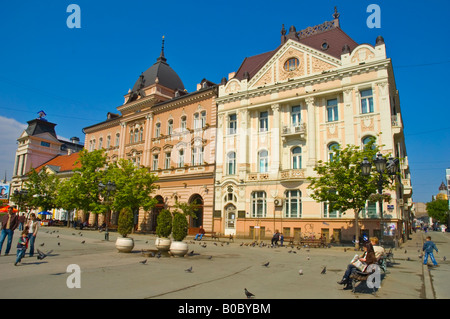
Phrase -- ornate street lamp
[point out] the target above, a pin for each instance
(109, 188)
(382, 166)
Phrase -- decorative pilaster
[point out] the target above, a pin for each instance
(311, 127)
(275, 140)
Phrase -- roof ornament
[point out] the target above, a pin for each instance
(336, 13)
(42, 115)
(161, 56)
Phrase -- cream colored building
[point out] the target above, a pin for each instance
(282, 111)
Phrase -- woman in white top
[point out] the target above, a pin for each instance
(33, 226)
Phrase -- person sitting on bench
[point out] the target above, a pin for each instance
(367, 258)
(201, 233)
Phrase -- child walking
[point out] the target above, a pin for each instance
(21, 246)
(428, 248)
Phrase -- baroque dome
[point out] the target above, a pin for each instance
(160, 73)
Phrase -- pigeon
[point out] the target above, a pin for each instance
(248, 293)
(42, 245)
(83, 241)
(445, 258)
(143, 261)
(158, 255)
(41, 255)
(59, 244)
(324, 270)
(266, 264)
(189, 269)
(210, 257)
(300, 272)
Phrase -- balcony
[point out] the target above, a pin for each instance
(397, 125)
(407, 188)
(289, 175)
(298, 130)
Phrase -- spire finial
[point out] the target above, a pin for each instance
(161, 56)
(336, 13)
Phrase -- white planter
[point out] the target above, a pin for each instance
(178, 248)
(124, 244)
(162, 244)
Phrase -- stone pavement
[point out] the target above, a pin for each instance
(221, 270)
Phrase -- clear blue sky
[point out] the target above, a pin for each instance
(78, 75)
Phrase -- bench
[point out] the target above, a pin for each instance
(313, 242)
(289, 240)
(360, 276)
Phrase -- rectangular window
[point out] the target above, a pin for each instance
(203, 119)
(158, 130)
(259, 207)
(264, 121)
(167, 161)
(332, 110)
(155, 162)
(296, 116)
(372, 210)
(232, 124)
(366, 101)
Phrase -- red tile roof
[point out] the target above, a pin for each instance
(64, 162)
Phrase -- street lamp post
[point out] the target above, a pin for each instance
(109, 188)
(382, 166)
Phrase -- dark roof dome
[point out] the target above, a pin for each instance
(161, 73)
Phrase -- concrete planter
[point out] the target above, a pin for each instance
(178, 248)
(124, 244)
(162, 244)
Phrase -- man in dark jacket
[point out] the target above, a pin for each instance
(10, 222)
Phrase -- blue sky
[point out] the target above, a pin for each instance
(78, 75)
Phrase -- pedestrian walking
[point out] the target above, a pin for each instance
(21, 246)
(33, 227)
(10, 222)
(428, 247)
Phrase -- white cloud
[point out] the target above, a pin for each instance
(10, 130)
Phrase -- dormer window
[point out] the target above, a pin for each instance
(291, 64)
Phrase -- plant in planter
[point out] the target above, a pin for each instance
(163, 230)
(179, 232)
(125, 226)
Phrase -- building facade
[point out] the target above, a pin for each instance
(171, 132)
(37, 145)
(284, 110)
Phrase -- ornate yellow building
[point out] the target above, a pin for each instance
(284, 110)
(171, 132)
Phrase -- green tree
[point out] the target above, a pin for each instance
(179, 226)
(339, 182)
(42, 189)
(438, 209)
(81, 190)
(134, 186)
(126, 222)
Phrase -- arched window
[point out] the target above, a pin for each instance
(367, 139)
(263, 159)
(259, 205)
(181, 158)
(108, 141)
(136, 135)
(291, 64)
(170, 127)
(100, 143)
(117, 139)
(183, 124)
(141, 134)
(332, 151)
(296, 157)
(158, 130)
(231, 163)
(293, 204)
